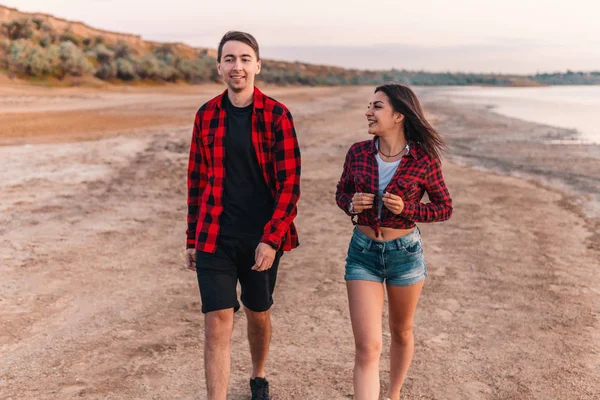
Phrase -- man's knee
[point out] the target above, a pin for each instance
(261, 318)
(218, 325)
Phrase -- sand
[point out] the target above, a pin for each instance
(95, 301)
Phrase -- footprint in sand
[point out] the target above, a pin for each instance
(452, 305)
(444, 315)
(76, 388)
(447, 311)
(441, 339)
(475, 389)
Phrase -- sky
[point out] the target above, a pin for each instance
(509, 36)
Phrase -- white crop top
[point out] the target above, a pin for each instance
(386, 173)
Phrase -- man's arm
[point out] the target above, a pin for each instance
(197, 179)
(287, 172)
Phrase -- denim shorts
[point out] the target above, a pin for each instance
(398, 262)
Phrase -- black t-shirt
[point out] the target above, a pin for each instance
(247, 200)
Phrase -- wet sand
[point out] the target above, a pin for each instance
(95, 302)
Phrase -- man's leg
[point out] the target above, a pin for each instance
(217, 279)
(259, 337)
(218, 328)
(257, 296)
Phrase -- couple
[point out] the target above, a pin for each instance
(243, 187)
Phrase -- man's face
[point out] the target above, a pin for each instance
(238, 65)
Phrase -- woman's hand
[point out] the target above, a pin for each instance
(362, 201)
(393, 203)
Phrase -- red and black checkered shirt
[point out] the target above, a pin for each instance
(418, 173)
(274, 140)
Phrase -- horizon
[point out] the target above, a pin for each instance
(355, 39)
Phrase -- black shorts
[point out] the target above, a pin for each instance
(219, 272)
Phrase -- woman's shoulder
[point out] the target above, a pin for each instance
(360, 147)
(422, 156)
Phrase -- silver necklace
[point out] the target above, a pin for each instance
(406, 148)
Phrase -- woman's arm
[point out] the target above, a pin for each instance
(345, 187)
(439, 207)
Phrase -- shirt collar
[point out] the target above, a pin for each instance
(258, 102)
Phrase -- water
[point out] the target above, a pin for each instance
(572, 107)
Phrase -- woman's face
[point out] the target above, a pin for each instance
(381, 117)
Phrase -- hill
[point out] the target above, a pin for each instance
(41, 46)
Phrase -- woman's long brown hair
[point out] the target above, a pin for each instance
(416, 127)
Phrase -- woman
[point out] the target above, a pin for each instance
(382, 185)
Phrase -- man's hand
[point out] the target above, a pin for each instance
(393, 203)
(264, 257)
(190, 259)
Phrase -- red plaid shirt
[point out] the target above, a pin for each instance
(418, 173)
(278, 154)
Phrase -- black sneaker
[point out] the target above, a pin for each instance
(260, 389)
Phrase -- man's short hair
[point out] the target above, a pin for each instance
(240, 37)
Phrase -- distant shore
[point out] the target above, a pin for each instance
(481, 137)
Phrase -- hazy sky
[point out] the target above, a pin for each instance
(522, 36)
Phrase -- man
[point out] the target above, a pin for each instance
(243, 186)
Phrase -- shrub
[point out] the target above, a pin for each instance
(37, 22)
(102, 54)
(37, 64)
(4, 51)
(53, 60)
(18, 54)
(121, 50)
(69, 37)
(73, 61)
(42, 62)
(21, 29)
(107, 71)
(150, 67)
(165, 53)
(198, 70)
(147, 67)
(125, 70)
(47, 28)
(187, 69)
(45, 41)
(27, 58)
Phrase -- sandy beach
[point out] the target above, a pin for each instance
(95, 302)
